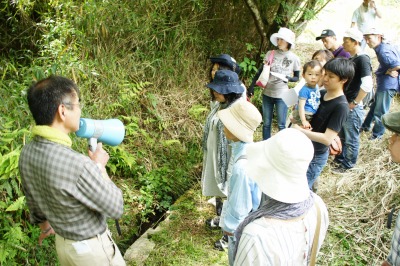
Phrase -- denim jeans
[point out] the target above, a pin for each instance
(350, 137)
(268, 104)
(315, 167)
(379, 107)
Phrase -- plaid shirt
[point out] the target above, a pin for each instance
(394, 255)
(67, 189)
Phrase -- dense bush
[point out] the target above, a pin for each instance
(144, 62)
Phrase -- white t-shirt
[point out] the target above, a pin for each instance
(364, 17)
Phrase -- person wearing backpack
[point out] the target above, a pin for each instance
(387, 81)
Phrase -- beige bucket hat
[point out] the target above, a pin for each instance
(242, 118)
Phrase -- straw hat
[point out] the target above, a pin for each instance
(242, 118)
(283, 33)
(225, 82)
(279, 165)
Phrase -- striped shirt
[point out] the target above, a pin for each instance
(394, 255)
(67, 189)
(268, 241)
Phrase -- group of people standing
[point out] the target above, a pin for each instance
(268, 185)
(265, 204)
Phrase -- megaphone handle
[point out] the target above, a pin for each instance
(92, 144)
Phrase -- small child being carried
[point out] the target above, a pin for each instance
(309, 95)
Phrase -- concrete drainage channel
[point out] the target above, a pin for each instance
(139, 251)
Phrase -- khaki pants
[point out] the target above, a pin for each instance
(99, 250)
(296, 116)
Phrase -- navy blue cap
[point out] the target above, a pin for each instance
(226, 60)
(225, 82)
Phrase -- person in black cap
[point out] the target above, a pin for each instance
(225, 89)
(330, 42)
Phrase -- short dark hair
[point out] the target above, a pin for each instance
(311, 64)
(342, 67)
(328, 55)
(230, 97)
(46, 95)
(221, 66)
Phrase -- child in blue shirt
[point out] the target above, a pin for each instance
(309, 95)
(240, 121)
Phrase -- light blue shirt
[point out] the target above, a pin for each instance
(388, 57)
(312, 97)
(243, 193)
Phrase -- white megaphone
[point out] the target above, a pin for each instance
(110, 131)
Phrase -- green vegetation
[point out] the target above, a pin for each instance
(133, 60)
(184, 239)
(358, 204)
(144, 62)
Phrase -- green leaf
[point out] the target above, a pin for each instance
(3, 253)
(17, 205)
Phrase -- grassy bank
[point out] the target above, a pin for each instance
(358, 203)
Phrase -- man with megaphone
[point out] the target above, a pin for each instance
(68, 194)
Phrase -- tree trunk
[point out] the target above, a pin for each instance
(270, 15)
(258, 23)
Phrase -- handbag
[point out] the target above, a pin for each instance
(313, 258)
(336, 146)
(264, 76)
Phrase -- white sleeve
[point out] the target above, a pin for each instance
(355, 17)
(366, 83)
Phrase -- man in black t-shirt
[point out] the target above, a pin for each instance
(330, 116)
(355, 92)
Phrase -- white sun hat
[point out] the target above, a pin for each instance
(279, 165)
(242, 118)
(286, 34)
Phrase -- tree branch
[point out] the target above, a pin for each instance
(257, 20)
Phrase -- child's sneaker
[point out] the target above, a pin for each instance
(222, 244)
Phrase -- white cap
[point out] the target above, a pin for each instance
(354, 33)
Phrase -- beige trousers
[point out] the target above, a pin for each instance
(99, 250)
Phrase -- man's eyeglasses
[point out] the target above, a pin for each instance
(81, 105)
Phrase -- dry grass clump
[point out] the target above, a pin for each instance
(358, 202)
